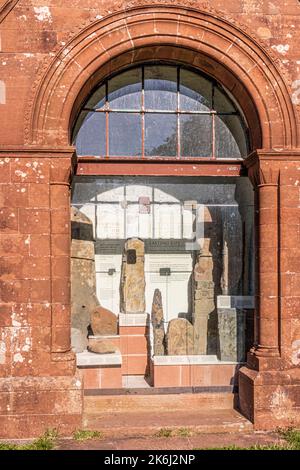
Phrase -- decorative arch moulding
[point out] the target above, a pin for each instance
(200, 38)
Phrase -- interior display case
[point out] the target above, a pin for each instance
(175, 256)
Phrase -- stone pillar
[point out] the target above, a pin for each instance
(204, 294)
(157, 320)
(269, 387)
(268, 192)
(39, 387)
(133, 277)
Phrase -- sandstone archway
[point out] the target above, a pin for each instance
(199, 38)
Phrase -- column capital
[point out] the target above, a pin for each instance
(263, 168)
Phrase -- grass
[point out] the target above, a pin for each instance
(83, 434)
(291, 437)
(164, 432)
(46, 442)
(184, 432)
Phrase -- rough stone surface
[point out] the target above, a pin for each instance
(157, 319)
(79, 340)
(231, 325)
(83, 277)
(101, 346)
(180, 337)
(204, 292)
(133, 277)
(104, 322)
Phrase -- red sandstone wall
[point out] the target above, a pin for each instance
(29, 33)
(34, 213)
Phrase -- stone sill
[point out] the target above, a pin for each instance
(86, 358)
(133, 319)
(103, 336)
(189, 360)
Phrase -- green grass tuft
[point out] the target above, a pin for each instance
(82, 435)
(164, 432)
(45, 442)
(184, 432)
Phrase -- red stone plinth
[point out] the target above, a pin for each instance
(31, 405)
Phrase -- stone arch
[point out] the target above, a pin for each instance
(199, 38)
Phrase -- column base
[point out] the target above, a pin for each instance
(31, 405)
(270, 399)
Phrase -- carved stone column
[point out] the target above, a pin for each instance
(264, 176)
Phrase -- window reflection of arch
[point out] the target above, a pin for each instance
(160, 111)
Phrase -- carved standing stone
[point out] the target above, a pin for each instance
(225, 277)
(180, 337)
(204, 303)
(83, 278)
(104, 322)
(157, 319)
(231, 334)
(133, 277)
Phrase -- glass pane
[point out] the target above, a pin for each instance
(125, 90)
(195, 92)
(97, 100)
(192, 278)
(222, 104)
(161, 135)
(196, 135)
(231, 141)
(161, 88)
(125, 134)
(90, 139)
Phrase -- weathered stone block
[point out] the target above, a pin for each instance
(104, 322)
(133, 277)
(231, 328)
(180, 337)
(157, 319)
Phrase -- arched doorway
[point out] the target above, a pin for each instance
(234, 57)
(190, 285)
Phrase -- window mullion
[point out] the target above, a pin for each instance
(178, 114)
(143, 112)
(107, 119)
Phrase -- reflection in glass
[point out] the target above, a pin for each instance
(125, 133)
(97, 100)
(230, 137)
(155, 100)
(161, 135)
(161, 88)
(125, 90)
(222, 103)
(196, 135)
(195, 92)
(90, 139)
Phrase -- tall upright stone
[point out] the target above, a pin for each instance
(180, 337)
(157, 320)
(231, 323)
(83, 278)
(204, 303)
(225, 275)
(132, 298)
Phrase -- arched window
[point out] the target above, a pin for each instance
(161, 111)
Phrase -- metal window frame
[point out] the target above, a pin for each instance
(177, 112)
